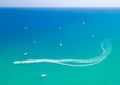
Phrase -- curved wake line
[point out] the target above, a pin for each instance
(106, 50)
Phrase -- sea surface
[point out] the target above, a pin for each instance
(58, 33)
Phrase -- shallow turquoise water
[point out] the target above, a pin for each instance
(78, 42)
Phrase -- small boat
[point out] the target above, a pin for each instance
(43, 75)
(25, 54)
(34, 42)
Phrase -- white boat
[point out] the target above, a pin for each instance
(25, 54)
(43, 75)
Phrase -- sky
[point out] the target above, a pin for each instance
(59, 3)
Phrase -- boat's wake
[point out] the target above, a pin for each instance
(106, 50)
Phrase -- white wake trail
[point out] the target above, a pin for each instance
(106, 50)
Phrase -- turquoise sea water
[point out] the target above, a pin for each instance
(40, 31)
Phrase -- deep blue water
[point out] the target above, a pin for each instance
(80, 31)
